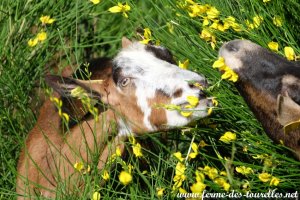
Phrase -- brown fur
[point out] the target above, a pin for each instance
(264, 107)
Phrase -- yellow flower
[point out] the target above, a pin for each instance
(46, 19)
(186, 112)
(180, 168)
(178, 156)
(230, 75)
(64, 116)
(179, 175)
(125, 178)
(212, 13)
(195, 151)
(120, 8)
(184, 65)
(222, 182)
(41, 36)
(209, 111)
(96, 196)
(277, 21)
(244, 170)
(209, 37)
(197, 10)
(289, 53)
(147, 36)
(215, 102)
(219, 64)
(105, 175)
(160, 192)
(199, 176)
(193, 101)
(95, 1)
(118, 152)
(230, 22)
(78, 166)
(198, 187)
(273, 46)
(137, 150)
(182, 191)
(265, 177)
(265, 1)
(274, 181)
(202, 144)
(257, 20)
(211, 172)
(228, 137)
(223, 173)
(33, 42)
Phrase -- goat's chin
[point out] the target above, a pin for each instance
(175, 118)
(201, 110)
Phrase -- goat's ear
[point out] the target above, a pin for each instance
(125, 42)
(287, 110)
(65, 86)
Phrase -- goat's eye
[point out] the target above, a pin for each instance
(124, 82)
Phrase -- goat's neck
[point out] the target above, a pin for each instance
(89, 137)
(263, 106)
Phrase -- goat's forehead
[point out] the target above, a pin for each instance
(138, 61)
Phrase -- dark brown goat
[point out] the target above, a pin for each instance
(270, 84)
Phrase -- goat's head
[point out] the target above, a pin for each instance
(140, 80)
(270, 84)
(264, 69)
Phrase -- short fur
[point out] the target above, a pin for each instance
(264, 77)
(131, 87)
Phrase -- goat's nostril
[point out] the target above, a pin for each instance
(232, 46)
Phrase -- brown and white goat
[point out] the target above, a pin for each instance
(270, 84)
(137, 80)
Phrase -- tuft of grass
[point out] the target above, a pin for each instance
(83, 30)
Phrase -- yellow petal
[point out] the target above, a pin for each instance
(273, 46)
(160, 192)
(137, 150)
(219, 63)
(193, 101)
(178, 156)
(78, 166)
(105, 175)
(96, 196)
(198, 187)
(274, 181)
(187, 113)
(32, 42)
(46, 20)
(265, 177)
(42, 36)
(184, 65)
(277, 21)
(95, 1)
(228, 137)
(115, 9)
(289, 53)
(125, 178)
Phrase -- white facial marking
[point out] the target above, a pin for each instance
(151, 74)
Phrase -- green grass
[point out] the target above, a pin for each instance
(82, 30)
